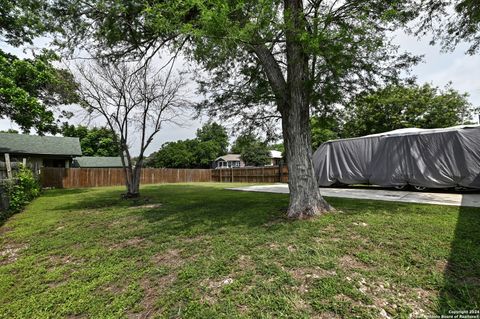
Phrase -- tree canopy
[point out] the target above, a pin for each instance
(211, 142)
(22, 20)
(215, 133)
(325, 128)
(453, 22)
(96, 141)
(253, 151)
(179, 154)
(30, 88)
(395, 107)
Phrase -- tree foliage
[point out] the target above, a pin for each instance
(215, 133)
(253, 151)
(395, 107)
(346, 43)
(453, 22)
(325, 128)
(31, 88)
(22, 20)
(96, 141)
(177, 154)
(211, 142)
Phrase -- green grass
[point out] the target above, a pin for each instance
(199, 251)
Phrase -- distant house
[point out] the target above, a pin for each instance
(235, 160)
(97, 162)
(275, 158)
(228, 161)
(36, 151)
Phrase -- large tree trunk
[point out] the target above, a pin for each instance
(305, 198)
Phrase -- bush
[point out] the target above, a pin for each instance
(20, 191)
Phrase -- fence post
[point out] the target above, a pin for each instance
(9, 166)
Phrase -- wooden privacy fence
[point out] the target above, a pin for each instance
(273, 174)
(95, 177)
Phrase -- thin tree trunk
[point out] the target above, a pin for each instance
(305, 198)
(135, 189)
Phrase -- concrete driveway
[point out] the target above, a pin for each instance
(440, 198)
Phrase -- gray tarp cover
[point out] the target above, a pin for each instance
(434, 158)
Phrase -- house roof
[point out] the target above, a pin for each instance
(93, 161)
(275, 154)
(229, 157)
(39, 145)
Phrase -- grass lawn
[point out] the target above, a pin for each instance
(198, 251)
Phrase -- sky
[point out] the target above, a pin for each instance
(439, 68)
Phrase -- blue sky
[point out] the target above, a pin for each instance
(438, 68)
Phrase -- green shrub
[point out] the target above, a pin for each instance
(20, 191)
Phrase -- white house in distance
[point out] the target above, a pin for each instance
(275, 158)
(228, 161)
(235, 160)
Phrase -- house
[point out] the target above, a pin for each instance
(228, 161)
(275, 158)
(235, 160)
(36, 151)
(97, 162)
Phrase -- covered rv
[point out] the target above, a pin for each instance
(433, 158)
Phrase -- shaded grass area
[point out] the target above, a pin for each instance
(199, 251)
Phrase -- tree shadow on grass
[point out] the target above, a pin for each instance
(6, 214)
(461, 290)
(59, 191)
(186, 209)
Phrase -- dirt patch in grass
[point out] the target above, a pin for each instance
(127, 221)
(170, 258)
(351, 262)
(314, 273)
(213, 288)
(132, 242)
(4, 230)
(11, 252)
(152, 287)
(245, 262)
(146, 206)
(114, 288)
(58, 260)
(195, 239)
(441, 266)
(388, 299)
(306, 275)
(326, 315)
(273, 246)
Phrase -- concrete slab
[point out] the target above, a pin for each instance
(469, 200)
